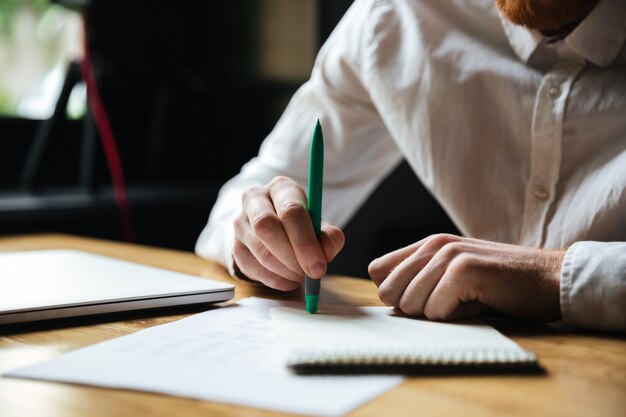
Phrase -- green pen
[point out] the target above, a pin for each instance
(316, 179)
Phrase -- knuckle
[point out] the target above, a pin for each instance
(279, 179)
(451, 250)
(460, 265)
(264, 224)
(249, 193)
(292, 210)
(238, 222)
(442, 239)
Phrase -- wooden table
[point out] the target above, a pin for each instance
(586, 372)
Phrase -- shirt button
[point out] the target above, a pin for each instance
(554, 92)
(540, 194)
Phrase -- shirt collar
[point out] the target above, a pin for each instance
(524, 41)
(598, 38)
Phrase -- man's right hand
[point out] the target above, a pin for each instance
(274, 238)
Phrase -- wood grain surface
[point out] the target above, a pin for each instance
(585, 371)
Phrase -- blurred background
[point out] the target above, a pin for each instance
(191, 88)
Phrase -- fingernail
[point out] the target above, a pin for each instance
(317, 269)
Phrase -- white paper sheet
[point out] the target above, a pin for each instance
(226, 355)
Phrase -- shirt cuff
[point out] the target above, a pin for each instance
(216, 243)
(593, 286)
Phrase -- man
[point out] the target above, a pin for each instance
(519, 130)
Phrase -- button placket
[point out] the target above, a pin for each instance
(546, 139)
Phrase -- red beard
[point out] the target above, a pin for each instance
(546, 15)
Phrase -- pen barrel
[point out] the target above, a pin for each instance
(316, 218)
(316, 179)
(311, 286)
(314, 206)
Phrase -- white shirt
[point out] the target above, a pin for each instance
(521, 139)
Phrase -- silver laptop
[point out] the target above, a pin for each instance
(50, 284)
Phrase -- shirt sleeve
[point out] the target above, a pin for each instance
(359, 151)
(593, 286)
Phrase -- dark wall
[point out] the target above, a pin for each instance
(187, 110)
(179, 81)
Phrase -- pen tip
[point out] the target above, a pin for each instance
(311, 303)
(318, 122)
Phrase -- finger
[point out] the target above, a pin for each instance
(251, 268)
(454, 296)
(332, 240)
(391, 289)
(381, 267)
(418, 291)
(263, 255)
(392, 284)
(266, 226)
(290, 204)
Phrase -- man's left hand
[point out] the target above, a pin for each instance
(447, 277)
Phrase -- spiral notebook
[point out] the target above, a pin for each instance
(375, 339)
